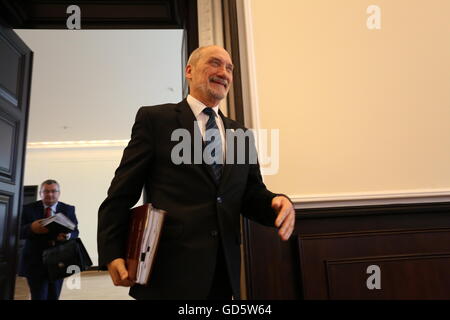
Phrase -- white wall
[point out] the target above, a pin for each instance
(88, 86)
(360, 112)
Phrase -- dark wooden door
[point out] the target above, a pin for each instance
(15, 80)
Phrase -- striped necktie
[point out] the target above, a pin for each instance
(214, 141)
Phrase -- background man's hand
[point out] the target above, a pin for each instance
(285, 220)
(37, 228)
(119, 273)
(62, 237)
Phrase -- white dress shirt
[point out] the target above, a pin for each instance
(197, 108)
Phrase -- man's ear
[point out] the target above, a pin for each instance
(188, 72)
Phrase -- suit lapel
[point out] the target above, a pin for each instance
(187, 121)
(39, 210)
(58, 207)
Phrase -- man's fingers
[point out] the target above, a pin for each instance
(121, 280)
(119, 273)
(114, 276)
(286, 234)
(126, 283)
(280, 218)
(287, 226)
(123, 273)
(283, 213)
(286, 222)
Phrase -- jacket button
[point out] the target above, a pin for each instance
(219, 200)
(214, 233)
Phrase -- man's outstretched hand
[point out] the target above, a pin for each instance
(285, 220)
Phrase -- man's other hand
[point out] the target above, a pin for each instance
(119, 273)
(285, 221)
(62, 237)
(37, 228)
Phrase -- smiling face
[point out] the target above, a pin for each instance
(210, 75)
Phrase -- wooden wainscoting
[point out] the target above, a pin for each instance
(332, 249)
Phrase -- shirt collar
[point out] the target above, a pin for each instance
(197, 106)
(53, 207)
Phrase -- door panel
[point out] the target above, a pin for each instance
(8, 135)
(8, 53)
(15, 81)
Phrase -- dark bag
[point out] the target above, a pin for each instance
(59, 258)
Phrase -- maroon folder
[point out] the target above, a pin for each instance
(143, 238)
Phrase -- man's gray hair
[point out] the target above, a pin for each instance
(196, 54)
(48, 182)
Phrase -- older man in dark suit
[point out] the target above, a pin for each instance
(199, 252)
(38, 239)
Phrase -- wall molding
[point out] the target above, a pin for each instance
(77, 144)
(370, 199)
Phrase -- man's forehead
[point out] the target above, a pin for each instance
(217, 52)
(48, 186)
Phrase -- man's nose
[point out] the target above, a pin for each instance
(223, 74)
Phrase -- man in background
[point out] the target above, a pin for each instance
(38, 239)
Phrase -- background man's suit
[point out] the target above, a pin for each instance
(31, 265)
(199, 210)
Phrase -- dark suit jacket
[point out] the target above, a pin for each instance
(199, 211)
(31, 259)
